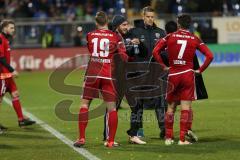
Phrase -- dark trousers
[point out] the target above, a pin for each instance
(136, 118)
(160, 110)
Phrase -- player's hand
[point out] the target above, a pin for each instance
(135, 41)
(15, 74)
(197, 72)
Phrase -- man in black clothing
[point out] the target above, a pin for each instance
(120, 25)
(148, 34)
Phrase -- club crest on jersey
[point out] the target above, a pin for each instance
(157, 35)
(142, 38)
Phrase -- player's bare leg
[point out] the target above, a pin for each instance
(169, 120)
(113, 123)
(22, 122)
(184, 120)
(82, 122)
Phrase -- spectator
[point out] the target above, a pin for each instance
(71, 12)
(47, 38)
(40, 15)
(22, 10)
(80, 11)
(2, 9)
(57, 36)
(78, 37)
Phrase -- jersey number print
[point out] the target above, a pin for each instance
(103, 47)
(182, 49)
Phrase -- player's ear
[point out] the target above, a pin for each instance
(178, 26)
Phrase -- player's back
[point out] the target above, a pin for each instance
(102, 45)
(181, 46)
(4, 53)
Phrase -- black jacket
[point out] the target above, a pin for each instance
(148, 36)
(133, 51)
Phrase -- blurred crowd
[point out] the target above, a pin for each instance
(86, 9)
(42, 9)
(211, 7)
(73, 32)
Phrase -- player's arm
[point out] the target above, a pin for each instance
(3, 60)
(159, 47)
(208, 54)
(134, 33)
(122, 49)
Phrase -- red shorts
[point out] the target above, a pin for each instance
(7, 85)
(181, 87)
(93, 86)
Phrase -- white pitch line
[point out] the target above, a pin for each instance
(85, 153)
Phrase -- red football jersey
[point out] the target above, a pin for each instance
(4, 52)
(181, 46)
(103, 44)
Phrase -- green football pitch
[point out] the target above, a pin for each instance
(216, 122)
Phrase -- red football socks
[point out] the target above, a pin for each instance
(169, 120)
(113, 123)
(17, 107)
(82, 122)
(184, 122)
(189, 123)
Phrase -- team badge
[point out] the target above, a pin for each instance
(157, 35)
(142, 38)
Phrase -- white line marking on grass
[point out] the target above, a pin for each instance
(85, 153)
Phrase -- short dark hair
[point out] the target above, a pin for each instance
(147, 9)
(184, 21)
(101, 18)
(4, 23)
(170, 27)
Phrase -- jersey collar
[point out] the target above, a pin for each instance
(184, 30)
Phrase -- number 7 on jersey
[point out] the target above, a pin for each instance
(182, 49)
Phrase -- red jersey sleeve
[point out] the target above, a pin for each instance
(208, 54)
(121, 49)
(160, 46)
(1, 48)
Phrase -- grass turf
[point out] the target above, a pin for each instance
(216, 122)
